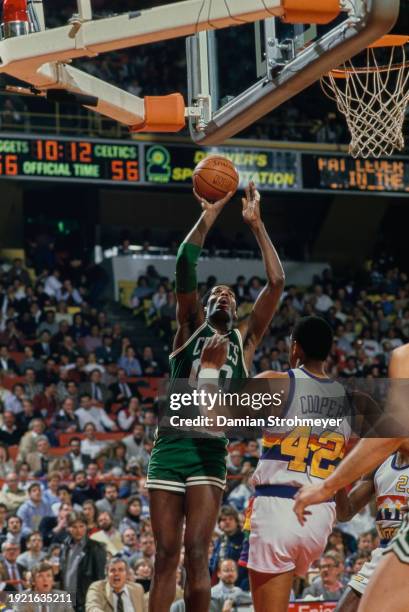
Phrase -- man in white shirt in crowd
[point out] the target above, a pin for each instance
(87, 413)
(116, 593)
(90, 446)
(322, 301)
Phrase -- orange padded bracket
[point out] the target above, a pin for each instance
(312, 11)
(162, 114)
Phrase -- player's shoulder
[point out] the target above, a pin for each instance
(273, 374)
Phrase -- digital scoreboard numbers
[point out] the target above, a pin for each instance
(69, 160)
(344, 173)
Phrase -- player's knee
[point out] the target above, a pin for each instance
(167, 555)
(196, 558)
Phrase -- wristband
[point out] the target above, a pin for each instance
(207, 374)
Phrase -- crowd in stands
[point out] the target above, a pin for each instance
(78, 416)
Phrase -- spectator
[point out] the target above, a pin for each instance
(11, 572)
(9, 432)
(225, 592)
(107, 534)
(322, 301)
(83, 489)
(130, 363)
(42, 582)
(90, 446)
(42, 348)
(76, 458)
(50, 495)
(54, 529)
(40, 460)
(89, 413)
(111, 504)
(16, 533)
(11, 495)
(241, 494)
(82, 561)
(6, 464)
(6, 363)
(45, 403)
(49, 324)
(122, 390)
(65, 420)
(228, 545)
(25, 417)
(130, 549)
(116, 588)
(150, 366)
(91, 514)
(27, 444)
(135, 444)
(34, 509)
(130, 416)
(132, 518)
(31, 386)
(106, 353)
(34, 553)
(96, 389)
(328, 586)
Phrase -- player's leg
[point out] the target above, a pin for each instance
(349, 601)
(202, 504)
(388, 587)
(271, 592)
(167, 517)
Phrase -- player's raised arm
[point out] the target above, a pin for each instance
(189, 312)
(254, 329)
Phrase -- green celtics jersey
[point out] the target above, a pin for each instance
(185, 361)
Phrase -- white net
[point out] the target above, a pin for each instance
(372, 91)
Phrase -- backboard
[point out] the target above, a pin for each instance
(242, 73)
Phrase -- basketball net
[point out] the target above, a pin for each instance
(372, 91)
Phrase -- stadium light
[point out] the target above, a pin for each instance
(15, 18)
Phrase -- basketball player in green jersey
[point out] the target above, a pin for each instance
(186, 476)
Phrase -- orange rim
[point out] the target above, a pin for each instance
(390, 40)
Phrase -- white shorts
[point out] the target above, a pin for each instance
(360, 580)
(278, 543)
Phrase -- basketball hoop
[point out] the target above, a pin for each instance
(372, 91)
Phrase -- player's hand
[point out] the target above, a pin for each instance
(214, 353)
(213, 208)
(309, 496)
(251, 206)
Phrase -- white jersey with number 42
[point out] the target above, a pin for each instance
(300, 454)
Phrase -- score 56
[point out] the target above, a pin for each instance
(124, 170)
(8, 165)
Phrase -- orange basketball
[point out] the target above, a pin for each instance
(214, 177)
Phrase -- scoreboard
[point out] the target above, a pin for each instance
(344, 173)
(133, 164)
(77, 160)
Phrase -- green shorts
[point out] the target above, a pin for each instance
(177, 463)
(400, 543)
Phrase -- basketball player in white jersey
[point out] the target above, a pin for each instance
(279, 548)
(388, 587)
(389, 483)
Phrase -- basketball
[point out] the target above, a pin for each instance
(214, 177)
